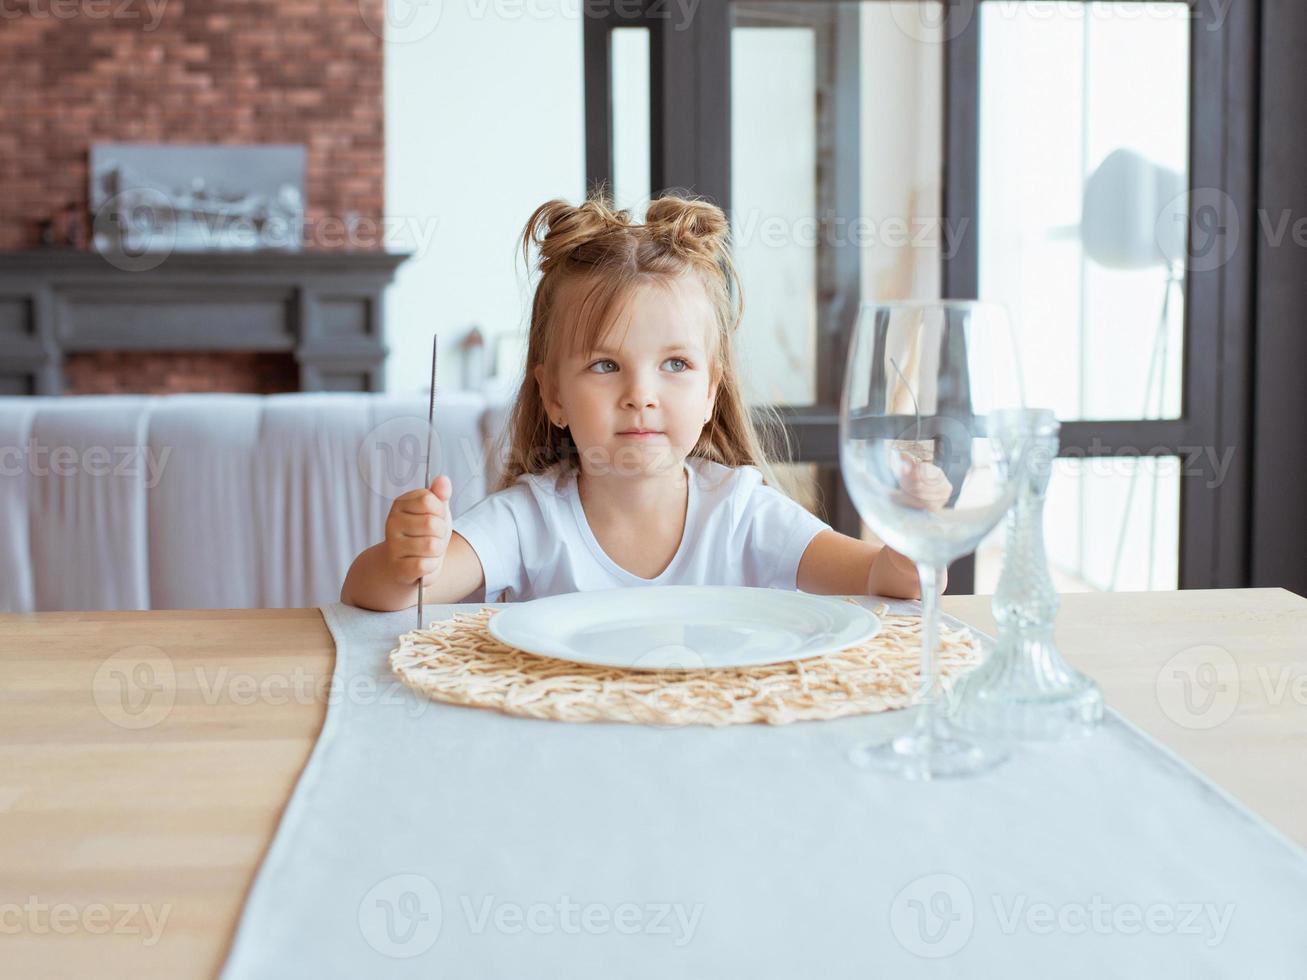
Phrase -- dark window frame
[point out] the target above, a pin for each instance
(690, 110)
(1277, 496)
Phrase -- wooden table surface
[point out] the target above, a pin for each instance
(145, 757)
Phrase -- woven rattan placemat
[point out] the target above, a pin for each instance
(457, 661)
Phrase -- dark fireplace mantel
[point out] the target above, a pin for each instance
(323, 308)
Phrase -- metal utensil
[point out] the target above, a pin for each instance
(426, 483)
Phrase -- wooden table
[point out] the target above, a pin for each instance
(130, 829)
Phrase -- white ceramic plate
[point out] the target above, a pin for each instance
(683, 627)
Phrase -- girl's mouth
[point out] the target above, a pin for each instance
(640, 434)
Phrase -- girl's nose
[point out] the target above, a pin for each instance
(639, 394)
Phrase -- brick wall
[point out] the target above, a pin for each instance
(77, 72)
(163, 372)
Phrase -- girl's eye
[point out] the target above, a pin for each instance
(685, 365)
(597, 363)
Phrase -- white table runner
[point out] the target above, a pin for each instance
(435, 841)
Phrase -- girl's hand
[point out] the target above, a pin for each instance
(922, 485)
(417, 533)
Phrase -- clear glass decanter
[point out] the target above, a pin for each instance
(1026, 690)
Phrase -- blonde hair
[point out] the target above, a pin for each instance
(591, 258)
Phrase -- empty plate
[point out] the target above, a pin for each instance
(683, 627)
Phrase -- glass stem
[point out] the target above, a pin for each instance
(928, 696)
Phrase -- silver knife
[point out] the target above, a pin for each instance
(431, 414)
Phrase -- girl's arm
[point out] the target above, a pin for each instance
(836, 564)
(420, 542)
(371, 582)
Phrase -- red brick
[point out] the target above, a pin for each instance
(163, 372)
(92, 81)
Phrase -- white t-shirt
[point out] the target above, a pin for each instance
(533, 538)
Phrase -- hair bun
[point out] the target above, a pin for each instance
(561, 231)
(687, 224)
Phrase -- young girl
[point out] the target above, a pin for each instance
(634, 459)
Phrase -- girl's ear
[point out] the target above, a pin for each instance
(712, 399)
(548, 392)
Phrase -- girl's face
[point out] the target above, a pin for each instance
(651, 372)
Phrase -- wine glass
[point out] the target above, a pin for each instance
(925, 421)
